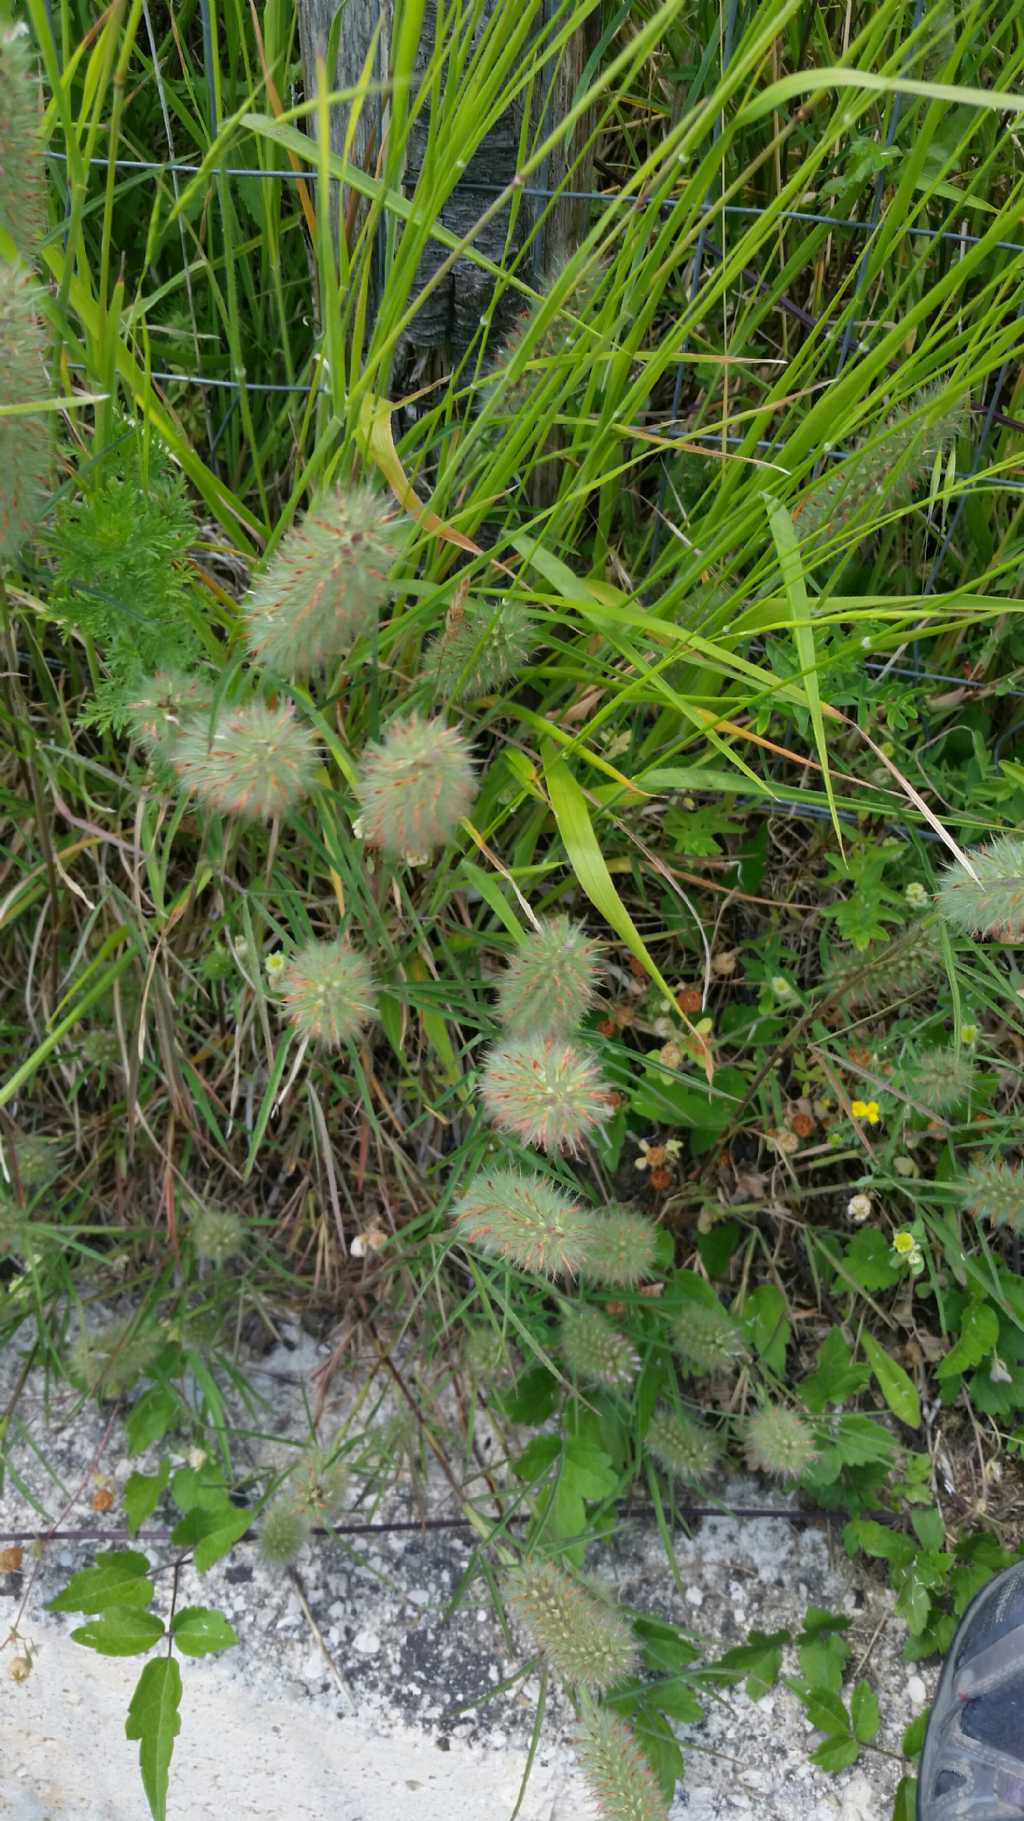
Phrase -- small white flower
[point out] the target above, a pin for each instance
(197, 1457)
(859, 1207)
(915, 894)
(781, 988)
(275, 965)
(999, 1373)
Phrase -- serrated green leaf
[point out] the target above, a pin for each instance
(836, 1754)
(676, 1698)
(979, 1332)
(860, 1440)
(590, 1470)
(825, 1710)
(142, 1494)
(929, 1527)
(912, 1742)
(905, 1806)
(150, 1418)
(537, 1457)
(118, 1577)
(823, 1658)
(758, 1662)
(765, 1318)
(878, 1540)
(121, 1632)
(662, 1645)
(660, 1747)
(914, 1600)
(211, 1533)
(154, 1719)
(199, 1630)
(896, 1386)
(865, 1713)
(837, 1377)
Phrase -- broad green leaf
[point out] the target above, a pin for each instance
(121, 1632)
(118, 1577)
(660, 1747)
(142, 1494)
(663, 1647)
(211, 1533)
(905, 1806)
(913, 1738)
(757, 1662)
(826, 1711)
(198, 1630)
(590, 1469)
(677, 1699)
(896, 1385)
(765, 1316)
(929, 1528)
(537, 1457)
(532, 1398)
(150, 1418)
(979, 1332)
(836, 1754)
(865, 1713)
(878, 1540)
(787, 546)
(914, 1600)
(837, 1376)
(155, 1720)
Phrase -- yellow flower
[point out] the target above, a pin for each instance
(904, 1243)
(866, 1109)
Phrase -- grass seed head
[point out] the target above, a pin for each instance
(994, 1191)
(993, 903)
(621, 1248)
(779, 1442)
(25, 439)
(545, 1092)
(597, 1352)
(940, 1078)
(38, 1159)
(163, 705)
(22, 171)
(258, 764)
(587, 1643)
(111, 1359)
(217, 1233)
(484, 645)
(283, 1530)
(618, 1772)
(329, 992)
(685, 1449)
(706, 1338)
(550, 982)
(325, 584)
(415, 786)
(526, 1220)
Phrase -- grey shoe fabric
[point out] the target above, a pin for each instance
(972, 1766)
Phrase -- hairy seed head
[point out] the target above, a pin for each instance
(687, 1450)
(258, 763)
(325, 584)
(595, 1351)
(706, 1338)
(549, 984)
(415, 786)
(217, 1233)
(621, 1248)
(545, 1092)
(524, 1219)
(25, 441)
(283, 1529)
(22, 171)
(38, 1159)
(329, 992)
(111, 1359)
(779, 1442)
(993, 903)
(882, 473)
(617, 1771)
(585, 1640)
(939, 1079)
(994, 1191)
(483, 645)
(165, 703)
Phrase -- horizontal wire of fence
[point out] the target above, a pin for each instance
(537, 193)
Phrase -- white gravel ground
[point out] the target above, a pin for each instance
(390, 1713)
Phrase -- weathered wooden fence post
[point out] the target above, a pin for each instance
(452, 313)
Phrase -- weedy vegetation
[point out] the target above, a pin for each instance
(521, 846)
